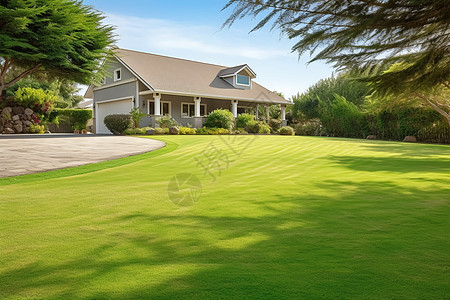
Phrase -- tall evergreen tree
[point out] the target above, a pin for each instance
(372, 35)
(61, 37)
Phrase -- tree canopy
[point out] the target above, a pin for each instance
(64, 38)
(370, 35)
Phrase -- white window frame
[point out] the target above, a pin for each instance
(249, 80)
(115, 74)
(152, 102)
(193, 103)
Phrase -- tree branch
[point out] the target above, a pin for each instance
(22, 75)
(434, 106)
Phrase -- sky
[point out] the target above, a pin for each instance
(192, 29)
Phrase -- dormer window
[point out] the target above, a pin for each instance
(117, 74)
(242, 80)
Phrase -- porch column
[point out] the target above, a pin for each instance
(197, 101)
(157, 98)
(257, 112)
(267, 113)
(283, 115)
(234, 105)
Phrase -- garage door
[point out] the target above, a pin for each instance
(111, 108)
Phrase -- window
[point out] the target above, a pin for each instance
(117, 74)
(242, 80)
(188, 110)
(165, 108)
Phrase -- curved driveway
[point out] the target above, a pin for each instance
(25, 154)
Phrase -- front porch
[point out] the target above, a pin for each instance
(193, 110)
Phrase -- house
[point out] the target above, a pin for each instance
(186, 90)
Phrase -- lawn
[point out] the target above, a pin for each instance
(277, 217)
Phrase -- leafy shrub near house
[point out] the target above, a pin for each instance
(275, 125)
(257, 127)
(186, 130)
(166, 122)
(286, 130)
(136, 116)
(243, 119)
(220, 118)
(36, 128)
(75, 117)
(117, 124)
(213, 131)
(40, 101)
(310, 128)
(159, 130)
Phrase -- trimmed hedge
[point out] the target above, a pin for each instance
(220, 118)
(76, 117)
(286, 130)
(213, 131)
(243, 119)
(257, 127)
(117, 124)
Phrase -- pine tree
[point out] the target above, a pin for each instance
(63, 38)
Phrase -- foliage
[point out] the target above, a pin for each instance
(220, 118)
(287, 130)
(275, 125)
(76, 117)
(118, 123)
(212, 131)
(64, 38)
(161, 130)
(36, 128)
(243, 119)
(240, 131)
(136, 116)
(257, 127)
(186, 130)
(37, 99)
(310, 128)
(166, 122)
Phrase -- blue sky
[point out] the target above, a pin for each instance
(192, 30)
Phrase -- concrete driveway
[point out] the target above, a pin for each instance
(26, 154)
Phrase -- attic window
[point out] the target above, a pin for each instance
(117, 74)
(242, 80)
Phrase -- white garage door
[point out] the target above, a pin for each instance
(111, 108)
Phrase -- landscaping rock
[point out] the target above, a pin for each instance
(8, 130)
(410, 139)
(18, 110)
(18, 128)
(27, 123)
(28, 111)
(173, 130)
(15, 118)
(7, 111)
(371, 137)
(150, 132)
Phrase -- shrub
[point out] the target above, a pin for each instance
(36, 128)
(257, 127)
(241, 131)
(37, 99)
(213, 131)
(129, 131)
(220, 118)
(286, 130)
(166, 122)
(275, 125)
(159, 130)
(243, 119)
(186, 130)
(136, 116)
(311, 128)
(117, 124)
(75, 117)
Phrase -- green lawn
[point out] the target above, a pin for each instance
(278, 217)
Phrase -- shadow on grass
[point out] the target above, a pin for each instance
(371, 240)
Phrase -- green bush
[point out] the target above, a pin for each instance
(186, 130)
(213, 131)
(75, 117)
(117, 124)
(240, 131)
(37, 99)
(275, 125)
(257, 127)
(159, 130)
(220, 118)
(136, 116)
(243, 119)
(166, 122)
(36, 128)
(310, 128)
(286, 130)
(129, 131)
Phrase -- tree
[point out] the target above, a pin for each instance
(372, 35)
(60, 37)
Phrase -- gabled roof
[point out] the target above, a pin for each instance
(234, 70)
(185, 77)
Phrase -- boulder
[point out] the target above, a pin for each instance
(371, 137)
(150, 132)
(28, 111)
(173, 130)
(8, 130)
(410, 139)
(7, 111)
(27, 123)
(18, 128)
(26, 129)
(15, 118)
(18, 110)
